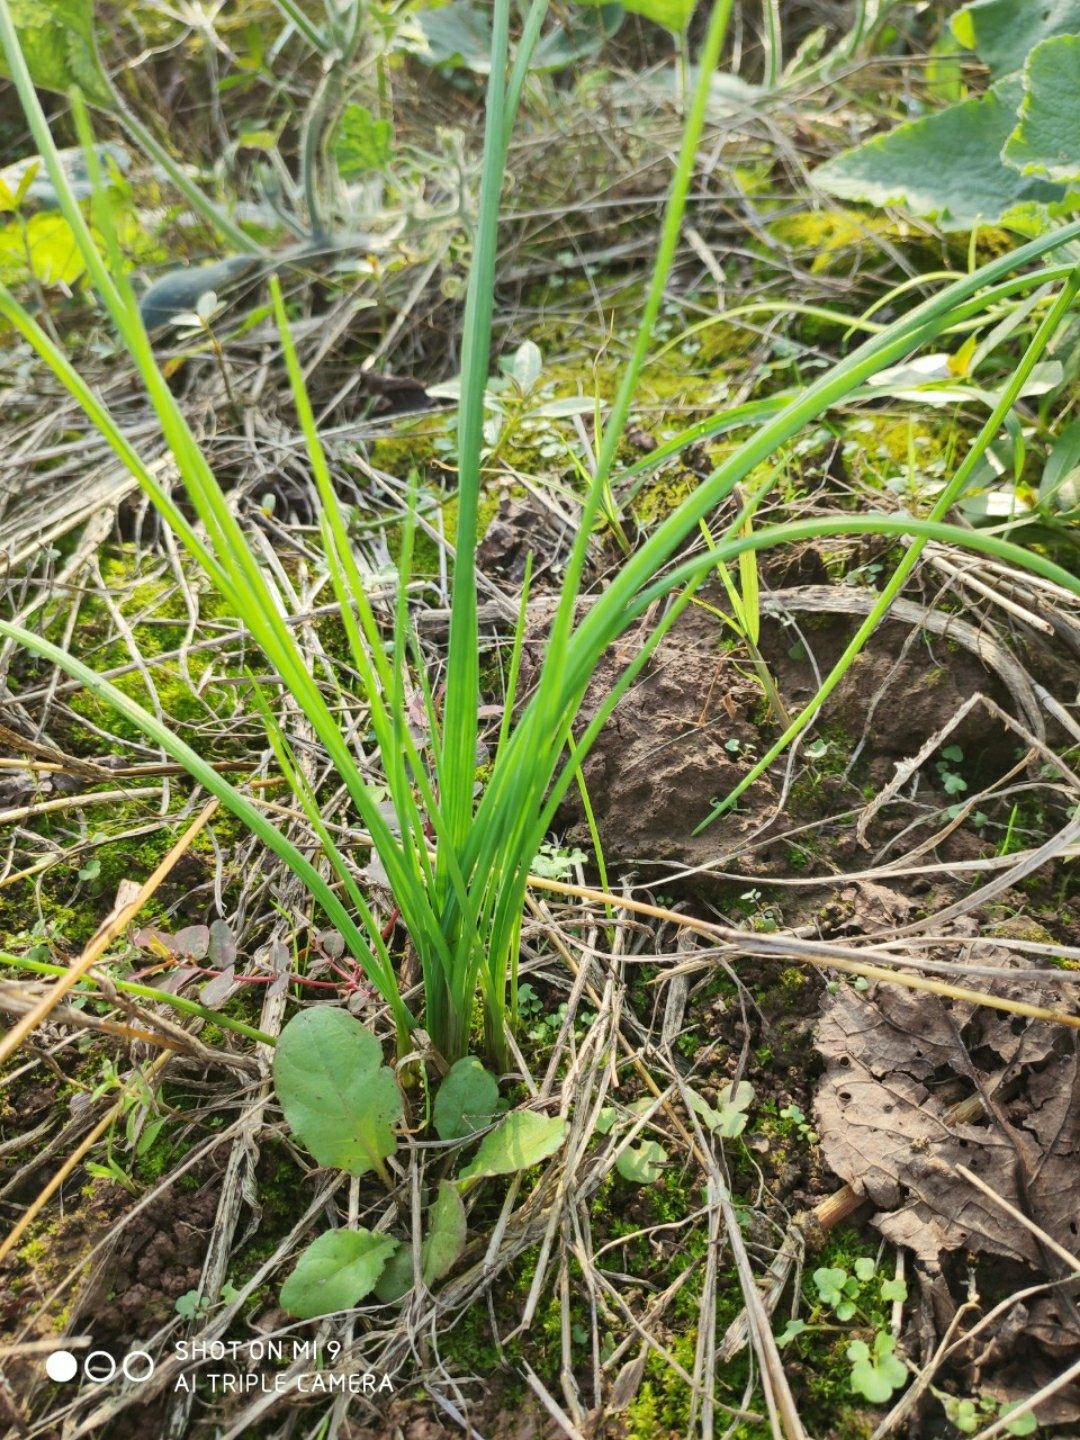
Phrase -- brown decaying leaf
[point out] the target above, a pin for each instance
(897, 1063)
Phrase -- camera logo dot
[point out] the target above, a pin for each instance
(100, 1367)
(61, 1366)
(138, 1366)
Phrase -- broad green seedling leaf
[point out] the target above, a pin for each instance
(523, 1139)
(337, 1095)
(468, 1100)
(1004, 32)
(1046, 140)
(876, 1374)
(446, 1237)
(396, 1279)
(642, 1163)
(673, 15)
(57, 38)
(791, 1331)
(335, 1272)
(1060, 483)
(947, 166)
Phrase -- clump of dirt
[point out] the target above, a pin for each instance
(130, 1291)
(157, 1257)
(694, 722)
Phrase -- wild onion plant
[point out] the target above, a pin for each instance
(457, 862)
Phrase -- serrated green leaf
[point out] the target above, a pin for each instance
(335, 1272)
(57, 39)
(446, 1236)
(467, 1100)
(1004, 32)
(642, 1164)
(948, 167)
(1046, 140)
(523, 1139)
(362, 143)
(339, 1098)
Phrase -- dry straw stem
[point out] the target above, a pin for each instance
(121, 915)
(805, 952)
(1020, 1218)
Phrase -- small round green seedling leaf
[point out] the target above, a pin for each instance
(335, 1272)
(339, 1099)
(961, 1413)
(396, 1279)
(523, 1139)
(642, 1164)
(467, 1101)
(830, 1282)
(893, 1291)
(729, 1117)
(446, 1237)
(1025, 1424)
(876, 1374)
(864, 1268)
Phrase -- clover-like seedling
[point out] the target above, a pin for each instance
(837, 1289)
(642, 1164)
(876, 1373)
(728, 1118)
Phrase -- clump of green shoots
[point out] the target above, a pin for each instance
(458, 862)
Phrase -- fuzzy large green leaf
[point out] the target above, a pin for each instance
(458, 35)
(1003, 32)
(947, 166)
(523, 1139)
(335, 1272)
(1046, 140)
(337, 1095)
(57, 39)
